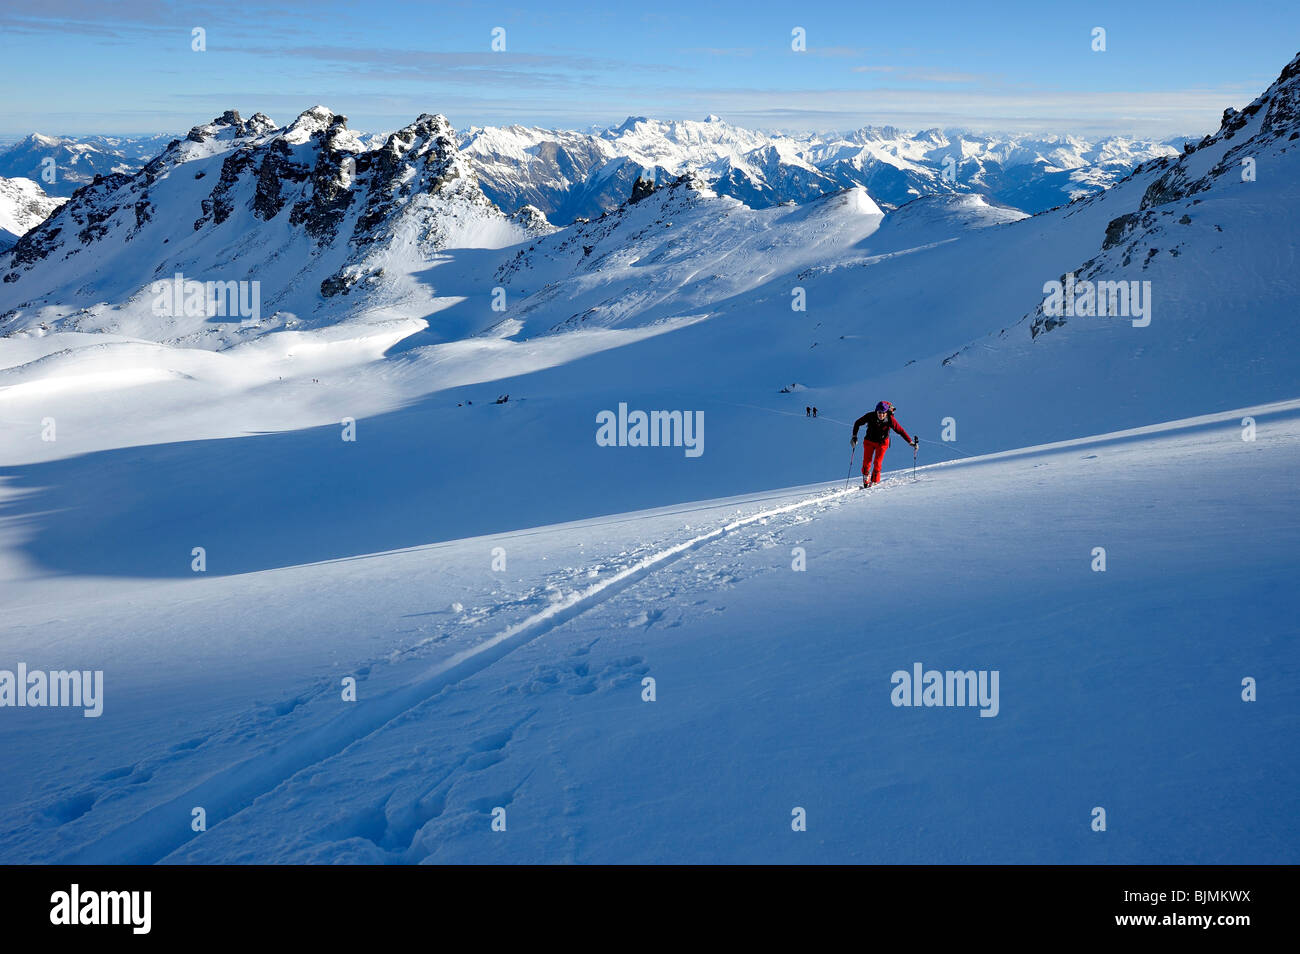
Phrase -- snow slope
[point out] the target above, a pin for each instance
(522, 689)
(23, 206)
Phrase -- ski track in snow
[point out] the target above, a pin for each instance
(152, 836)
(391, 824)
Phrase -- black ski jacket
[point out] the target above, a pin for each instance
(878, 430)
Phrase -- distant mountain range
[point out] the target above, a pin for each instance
(76, 161)
(569, 175)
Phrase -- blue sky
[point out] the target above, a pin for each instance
(127, 66)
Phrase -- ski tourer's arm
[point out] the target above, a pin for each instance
(899, 427)
(859, 422)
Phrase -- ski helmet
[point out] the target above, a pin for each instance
(884, 406)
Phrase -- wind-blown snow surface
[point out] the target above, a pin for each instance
(522, 689)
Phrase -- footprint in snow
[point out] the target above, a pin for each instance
(70, 808)
(189, 744)
(646, 619)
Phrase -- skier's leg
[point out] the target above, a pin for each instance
(870, 451)
(880, 460)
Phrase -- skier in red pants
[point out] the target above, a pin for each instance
(876, 440)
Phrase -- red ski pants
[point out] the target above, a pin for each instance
(871, 449)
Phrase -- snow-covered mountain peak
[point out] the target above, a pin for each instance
(310, 122)
(629, 125)
(306, 212)
(230, 125)
(856, 200)
(432, 140)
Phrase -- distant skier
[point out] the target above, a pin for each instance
(876, 440)
(807, 411)
(814, 412)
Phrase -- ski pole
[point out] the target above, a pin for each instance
(914, 446)
(853, 449)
